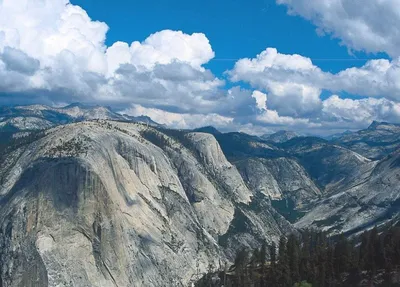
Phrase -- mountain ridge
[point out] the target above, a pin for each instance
(280, 136)
(134, 195)
(124, 199)
(42, 116)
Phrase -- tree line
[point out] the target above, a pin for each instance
(313, 259)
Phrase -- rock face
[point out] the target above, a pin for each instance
(269, 169)
(335, 188)
(362, 204)
(24, 123)
(120, 204)
(330, 166)
(108, 203)
(279, 178)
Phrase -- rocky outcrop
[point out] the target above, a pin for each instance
(331, 167)
(360, 205)
(279, 178)
(119, 204)
(24, 123)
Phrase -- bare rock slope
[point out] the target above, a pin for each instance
(120, 204)
(363, 204)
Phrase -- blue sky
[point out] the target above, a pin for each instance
(316, 67)
(236, 29)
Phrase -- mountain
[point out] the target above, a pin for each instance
(279, 179)
(329, 165)
(106, 203)
(37, 117)
(375, 142)
(20, 123)
(270, 170)
(297, 173)
(320, 184)
(208, 130)
(127, 202)
(280, 136)
(339, 135)
(237, 146)
(361, 205)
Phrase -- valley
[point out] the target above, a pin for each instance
(128, 202)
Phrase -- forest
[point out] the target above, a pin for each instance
(313, 259)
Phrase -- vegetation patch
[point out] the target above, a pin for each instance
(287, 208)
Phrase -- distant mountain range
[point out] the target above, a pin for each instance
(36, 117)
(118, 197)
(280, 136)
(375, 142)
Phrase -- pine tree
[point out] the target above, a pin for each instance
(342, 255)
(241, 261)
(305, 269)
(283, 271)
(363, 254)
(272, 252)
(322, 250)
(263, 258)
(272, 274)
(323, 261)
(372, 252)
(330, 270)
(254, 262)
(293, 251)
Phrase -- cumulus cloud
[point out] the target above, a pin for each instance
(292, 81)
(180, 120)
(368, 25)
(57, 51)
(18, 61)
(62, 40)
(261, 100)
(51, 50)
(358, 112)
(161, 48)
(272, 117)
(44, 29)
(165, 46)
(377, 78)
(294, 84)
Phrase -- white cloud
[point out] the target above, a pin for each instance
(18, 61)
(359, 112)
(261, 100)
(44, 29)
(51, 50)
(290, 80)
(272, 117)
(163, 48)
(377, 78)
(294, 84)
(180, 120)
(55, 49)
(368, 25)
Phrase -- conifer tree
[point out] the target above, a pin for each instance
(283, 271)
(293, 255)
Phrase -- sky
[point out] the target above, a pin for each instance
(316, 67)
